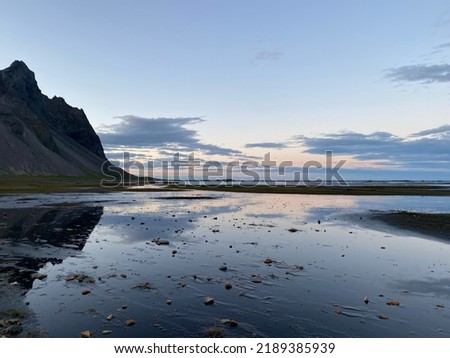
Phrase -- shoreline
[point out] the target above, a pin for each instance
(429, 224)
(42, 184)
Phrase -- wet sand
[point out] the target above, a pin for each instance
(275, 266)
(436, 225)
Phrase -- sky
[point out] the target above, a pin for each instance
(234, 80)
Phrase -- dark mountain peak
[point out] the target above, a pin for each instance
(19, 80)
(19, 65)
(48, 135)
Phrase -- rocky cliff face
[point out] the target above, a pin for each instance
(43, 136)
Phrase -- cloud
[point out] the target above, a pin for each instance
(442, 46)
(420, 73)
(267, 56)
(442, 131)
(425, 149)
(159, 133)
(269, 145)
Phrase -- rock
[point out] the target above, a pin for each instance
(123, 275)
(292, 229)
(223, 268)
(129, 322)
(110, 317)
(86, 334)
(383, 316)
(214, 332)
(39, 276)
(366, 300)
(143, 285)
(208, 300)
(105, 332)
(228, 285)
(393, 303)
(256, 279)
(230, 322)
(162, 242)
(174, 252)
(268, 261)
(12, 330)
(440, 306)
(169, 302)
(338, 311)
(85, 292)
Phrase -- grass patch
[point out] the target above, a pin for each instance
(12, 314)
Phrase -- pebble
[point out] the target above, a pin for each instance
(208, 300)
(231, 322)
(393, 303)
(130, 322)
(143, 285)
(256, 279)
(162, 242)
(228, 285)
(86, 334)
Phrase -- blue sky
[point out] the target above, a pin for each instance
(236, 79)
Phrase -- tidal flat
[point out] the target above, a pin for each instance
(197, 263)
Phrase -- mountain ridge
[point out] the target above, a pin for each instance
(41, 135)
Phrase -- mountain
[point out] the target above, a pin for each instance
(43, 136)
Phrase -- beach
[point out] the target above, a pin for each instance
(197, 263)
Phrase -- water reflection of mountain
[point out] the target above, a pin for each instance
(33, 237)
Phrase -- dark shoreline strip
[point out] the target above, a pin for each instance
(437, 225)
